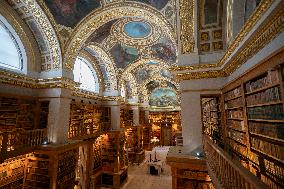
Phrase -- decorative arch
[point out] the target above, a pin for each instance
(84, 70)
(85, 54)
(24, 35)
(114, 11)
(106, 65)
(31, 7)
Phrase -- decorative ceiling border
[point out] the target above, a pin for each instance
(94, 20)
(187, 26)
(265, 34)
(50, 34)
(261, 9)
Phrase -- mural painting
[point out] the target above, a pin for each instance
(142, 74)
(158, 4)
(124, 55)
(163, 97)
(164, 50)
(137, 29)
(152, 85)
(166, 73)
(71, 12)
(102, 33)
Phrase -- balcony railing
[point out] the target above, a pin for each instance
(18, 142)
(227, 173)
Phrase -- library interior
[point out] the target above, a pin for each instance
(141, 94)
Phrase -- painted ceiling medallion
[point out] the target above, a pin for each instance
(135, 32)
(137, 29)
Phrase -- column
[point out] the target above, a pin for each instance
(58, 120)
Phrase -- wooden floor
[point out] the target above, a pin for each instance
(138, 178)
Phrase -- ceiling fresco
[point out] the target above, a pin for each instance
(142, 74)
(71, 12)
(166, 73)
(163, 97)
(137, 29)
(124, 55)
(164, 50)
(102, 33)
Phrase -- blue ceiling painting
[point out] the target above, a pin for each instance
(166, 73)
(124, 55)
(71, 12)
(163, 97)
(158, 4)
(142, 74)
(136, 29)
(164, 50)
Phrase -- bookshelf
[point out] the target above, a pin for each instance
(87, 120)
(211, 117)
(254, 122)
(126, 117)
(12, 173)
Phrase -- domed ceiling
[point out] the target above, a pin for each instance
(140, 50)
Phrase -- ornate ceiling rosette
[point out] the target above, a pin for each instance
(136, 32)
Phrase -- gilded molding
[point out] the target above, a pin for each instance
(187, 26)
(113, 11)
(272, 28)
(94, 96)
(262, 8)
(50, 35)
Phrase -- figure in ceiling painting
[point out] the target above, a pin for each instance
(124, 55)
(70, 12)
(142, 74)
(166, 73)
(163, 97)
(158, 4)
(164, 50)
(102, 33)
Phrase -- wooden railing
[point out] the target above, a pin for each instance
(18, 142)
(84, 132)
(227, 173)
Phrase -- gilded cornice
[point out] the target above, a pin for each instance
(33, 83)
(110, 12)
(261, 9)
(187, 26)
(271, 29)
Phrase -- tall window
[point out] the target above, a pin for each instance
(10, 52)
(85, 74)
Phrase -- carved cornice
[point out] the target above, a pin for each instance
(265, 34)
(261, 9)
(187, 26)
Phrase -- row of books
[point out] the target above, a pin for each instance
(268, 148)
(233, 93)
(270, 78)
(237, 136)
(274, 170)
(238, 125)
(275, 130)
(238, 148)
(239, 114)
(269, 182)
(269, 95)
(39, 164)
(266, 112)
(238, 102)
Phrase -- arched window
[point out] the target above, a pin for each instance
(85, 74)
(11, 48)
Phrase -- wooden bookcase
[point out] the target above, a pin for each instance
(88, 121)
(211, 117)
(126, 117)
(12, 173)
(254, 121)
(146, 136)
(54, 166)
